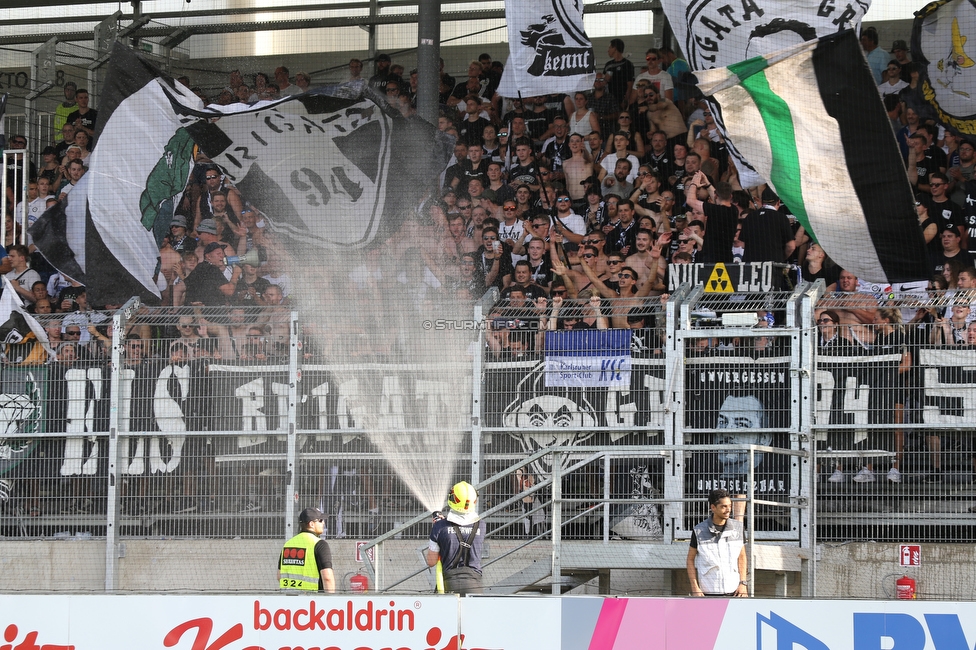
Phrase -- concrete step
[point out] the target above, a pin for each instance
(536, 578)
(522, 579)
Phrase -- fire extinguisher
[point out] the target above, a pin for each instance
(905, 588)
(358, 583)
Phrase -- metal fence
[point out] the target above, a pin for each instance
(221, 423)
(194, 422)
(894, 395)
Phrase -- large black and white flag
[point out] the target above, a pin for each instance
(940, 47)
(320, 166)
(715, 34)
(550, 52)
(810, 121)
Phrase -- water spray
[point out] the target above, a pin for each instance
(403, 386)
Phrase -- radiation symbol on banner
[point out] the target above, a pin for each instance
(718, 281)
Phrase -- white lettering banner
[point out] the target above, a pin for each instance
(716, 34)
(611, 371)
(550, 52)
(588, 358)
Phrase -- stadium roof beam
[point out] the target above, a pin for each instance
(33, 4)
(134, 26)
(176, 37)
(226, 11)
(310, 23)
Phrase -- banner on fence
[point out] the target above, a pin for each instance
(740, 278)
(588, 358)
(536, 416)
(744, 400)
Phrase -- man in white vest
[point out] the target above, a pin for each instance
(716, 561)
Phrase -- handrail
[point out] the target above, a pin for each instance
(590, 454)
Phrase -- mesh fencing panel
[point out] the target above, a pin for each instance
(892, 417)
(363, 379)
(226, 429)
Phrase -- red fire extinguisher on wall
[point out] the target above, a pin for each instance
(358, 583)
(905, 588)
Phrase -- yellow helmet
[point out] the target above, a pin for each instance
(463, 498)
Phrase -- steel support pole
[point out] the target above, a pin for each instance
(292, 469)
(751, 524)
(120, 319)
(557, 523)
(428, 58)
(476, 388)
(371, 30)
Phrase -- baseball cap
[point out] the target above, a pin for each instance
(310, 514)
(383, 57)
(208, 226)
(490, 195)
(899, 45)
(211, 247)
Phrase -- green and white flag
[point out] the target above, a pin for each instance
(320, 166)
(810, 120)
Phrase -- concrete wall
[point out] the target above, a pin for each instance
(855, 570)
(869, 570)
(214, 565)
(63, 565)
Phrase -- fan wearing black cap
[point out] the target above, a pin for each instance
(50, 166)
(306, 560)
(378, 80)
(900, 51)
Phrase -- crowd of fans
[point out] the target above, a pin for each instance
(636, 167)
(574, 207)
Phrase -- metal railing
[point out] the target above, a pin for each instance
(211, 421)
(580, 499)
